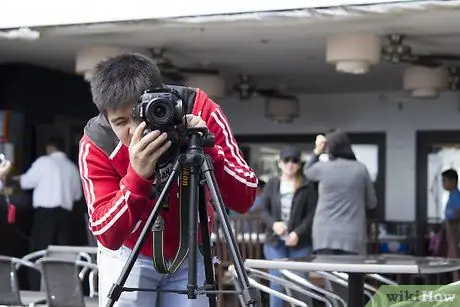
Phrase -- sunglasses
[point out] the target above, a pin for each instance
(293, 160)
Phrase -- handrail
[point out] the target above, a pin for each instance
(289, 284)
(305, 283)
(268, 290)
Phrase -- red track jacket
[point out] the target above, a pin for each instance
(117, 197)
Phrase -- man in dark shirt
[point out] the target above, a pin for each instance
(450, 184)
(452, 212)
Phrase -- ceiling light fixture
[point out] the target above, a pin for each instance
(282, 109)
(87, 58)
(21, 34)
(212, 84)
(425, 82)
(353, 53)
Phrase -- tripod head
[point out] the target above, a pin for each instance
(197, 138)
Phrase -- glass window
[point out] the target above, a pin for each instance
(263, 157)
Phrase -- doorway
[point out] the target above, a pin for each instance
(436, 151)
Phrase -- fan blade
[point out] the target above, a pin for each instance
(268, 92)
(198, 70)
(423, 61)
(442, 57)
(171, 72)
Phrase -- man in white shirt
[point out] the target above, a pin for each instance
(57, 186)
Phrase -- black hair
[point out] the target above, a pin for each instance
(56, 141)
(121, 80)
(451, 175)
(339, 145)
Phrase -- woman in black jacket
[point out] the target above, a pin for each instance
(287, 208)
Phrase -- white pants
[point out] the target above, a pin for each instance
(143, 275)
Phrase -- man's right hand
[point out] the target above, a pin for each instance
(279, 228)
(5, 169)
(144, 152)
(320, 144)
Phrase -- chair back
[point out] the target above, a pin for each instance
(62, 283)
(9, 287)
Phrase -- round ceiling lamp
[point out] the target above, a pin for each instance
(425, 82)
(88, 58)
(282, 109)
(213, 85)
(353, 53)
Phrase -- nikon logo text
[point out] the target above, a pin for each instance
(185, 177)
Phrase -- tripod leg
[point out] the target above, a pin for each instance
(210, 283)
(117, 288)
(193, 247)
(251, 295)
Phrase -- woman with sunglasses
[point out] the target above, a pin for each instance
(287, 208)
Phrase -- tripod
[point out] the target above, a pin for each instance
(191, 164)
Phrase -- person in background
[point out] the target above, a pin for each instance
(450, 184)
(56, 185)
(452, 211)
(287, 207)
(345, 190)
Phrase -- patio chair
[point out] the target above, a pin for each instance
(72, 253)
(382, 279)
(337, 279)
(302, 282)
(344, 276)
(289, 286)
(87, 253)
(10, 294)
(63, 283)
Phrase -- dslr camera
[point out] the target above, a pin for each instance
(162, 109)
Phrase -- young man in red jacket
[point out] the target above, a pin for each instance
(118, 169)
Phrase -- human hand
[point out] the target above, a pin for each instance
(292, 239)
(5, 169)
(279, 228)
(144, 152)
(194, 121)
(320, 144)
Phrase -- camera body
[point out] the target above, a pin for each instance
(162, 109)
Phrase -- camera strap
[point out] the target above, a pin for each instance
(159, 261)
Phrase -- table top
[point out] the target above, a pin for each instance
(389, 264)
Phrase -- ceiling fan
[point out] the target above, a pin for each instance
(174, 72)
(246, 89)
(397, 52)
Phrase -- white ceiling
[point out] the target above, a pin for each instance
(288, 52)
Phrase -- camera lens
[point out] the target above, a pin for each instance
(159, 111)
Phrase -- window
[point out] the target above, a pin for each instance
(263, 157)
(261, 152)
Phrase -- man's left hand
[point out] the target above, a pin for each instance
(292, 239)
(194, 121)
